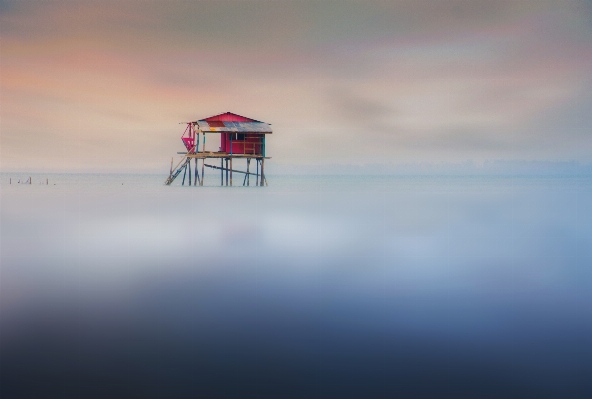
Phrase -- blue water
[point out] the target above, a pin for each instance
(312, 287)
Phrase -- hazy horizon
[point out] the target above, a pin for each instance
(486, 168)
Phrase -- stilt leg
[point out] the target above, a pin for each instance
(257, 175)
(203, 163)
(196, 177)
(189, 170)
(184, 173)
(248, 174)
(230, 172)
(227, 171)
(221, 172)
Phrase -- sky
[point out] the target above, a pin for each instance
(101, 86)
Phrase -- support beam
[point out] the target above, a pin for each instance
(223, 169)
(231, 171)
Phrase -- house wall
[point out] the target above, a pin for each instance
(250, 145)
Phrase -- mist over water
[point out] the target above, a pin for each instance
(313, 287)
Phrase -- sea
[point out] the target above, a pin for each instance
(315, 286)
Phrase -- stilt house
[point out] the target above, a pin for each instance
(240, 137)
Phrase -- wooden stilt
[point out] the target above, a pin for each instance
(248, 175)
(227, 171)
(221, 172)
(203, 161)
(230, 172)
(257, 178)
(196, 176)
(189, 170)
(262, 173)
(184, 173)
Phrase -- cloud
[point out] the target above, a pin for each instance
(447, 80)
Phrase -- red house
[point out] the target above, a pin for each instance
(240, 137)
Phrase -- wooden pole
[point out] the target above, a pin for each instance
(230, 172)
(262, 174)
(189, 170)
(196, 176)
(227, 171)
(203, 161)
(184, 173)
(221, 172)
(248, 175)
(171, 166)
(257, 178)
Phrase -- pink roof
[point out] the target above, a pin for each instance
(228, 117)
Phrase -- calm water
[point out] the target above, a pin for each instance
(313, 287)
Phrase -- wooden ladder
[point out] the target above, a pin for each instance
(183, 163)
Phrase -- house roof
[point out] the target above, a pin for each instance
(229, 117)
(229, 122)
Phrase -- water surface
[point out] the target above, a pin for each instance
(313, 287)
